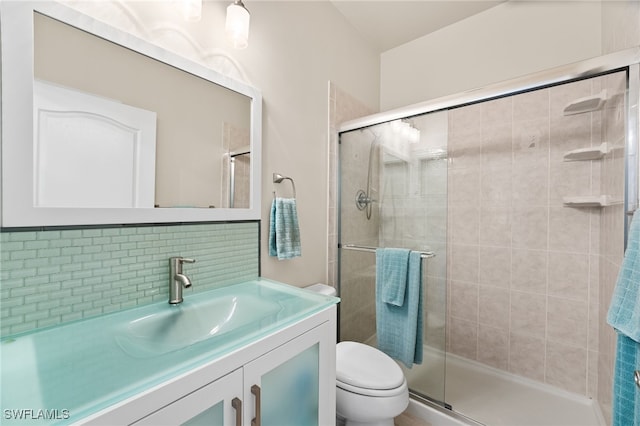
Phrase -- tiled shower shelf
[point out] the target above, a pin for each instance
(586, 104)
(590, 201)
(591, 153)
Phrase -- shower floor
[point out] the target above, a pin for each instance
(496, 398)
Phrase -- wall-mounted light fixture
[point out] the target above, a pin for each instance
(237, 25)
(191, 9)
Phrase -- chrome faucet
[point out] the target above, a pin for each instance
(177, 280)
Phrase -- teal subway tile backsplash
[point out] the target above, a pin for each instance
(55, 276)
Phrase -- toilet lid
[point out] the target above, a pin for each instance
(366, 367)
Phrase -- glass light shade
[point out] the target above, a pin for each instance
(237, 25)
(191, 9)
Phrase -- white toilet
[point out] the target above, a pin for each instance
(370, 387)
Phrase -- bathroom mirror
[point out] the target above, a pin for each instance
(101, 127)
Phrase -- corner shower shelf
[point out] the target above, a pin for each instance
(590, 201)
(591, 153)
(586, 104)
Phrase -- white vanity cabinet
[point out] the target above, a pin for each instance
(286, 378)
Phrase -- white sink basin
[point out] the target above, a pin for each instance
(179, 326)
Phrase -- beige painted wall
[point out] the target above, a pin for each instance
(509, 40)
(620, 25)
(303, 45)
(295, 49)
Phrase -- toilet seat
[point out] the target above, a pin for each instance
(367, 371)
(382, 393)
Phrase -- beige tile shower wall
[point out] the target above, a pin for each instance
(523, 270)
(611, 237)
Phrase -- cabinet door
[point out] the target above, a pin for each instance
(294, 384)
(216, 404)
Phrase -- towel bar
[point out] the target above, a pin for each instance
(277, 178)
(423, 254)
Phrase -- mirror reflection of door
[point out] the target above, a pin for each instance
(90, 151)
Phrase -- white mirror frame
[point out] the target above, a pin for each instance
(16, 25)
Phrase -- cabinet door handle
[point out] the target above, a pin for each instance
(255, 390)
(236, 403)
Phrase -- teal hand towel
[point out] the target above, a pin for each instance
(399, 328)
(284, 231)
(624, 310)
(393, 264)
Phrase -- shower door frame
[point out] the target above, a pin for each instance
(627, 60)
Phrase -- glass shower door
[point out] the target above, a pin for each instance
(393, 179)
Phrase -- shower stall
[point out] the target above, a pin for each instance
(522, 191)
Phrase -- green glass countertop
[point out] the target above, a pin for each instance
(77, 369)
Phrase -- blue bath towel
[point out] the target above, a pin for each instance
(393, 264)
(626, 395)
(399, 328)
(624, 310)
(284, 231)
(624, 316)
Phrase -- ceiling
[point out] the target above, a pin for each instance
(388, 24)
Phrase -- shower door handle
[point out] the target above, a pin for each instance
(636, 376)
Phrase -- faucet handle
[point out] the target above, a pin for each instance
(186, 260)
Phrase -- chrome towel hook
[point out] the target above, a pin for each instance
(277, 178)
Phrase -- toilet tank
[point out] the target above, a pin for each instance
(322, 289)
